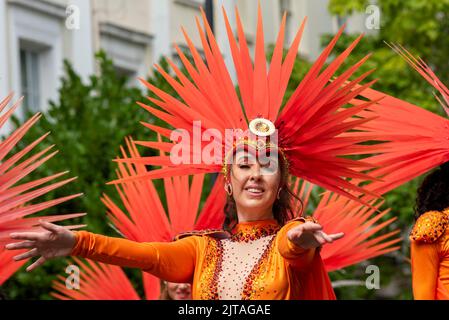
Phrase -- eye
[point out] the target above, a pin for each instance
(270, 167)
(270, 164)
(243, 166)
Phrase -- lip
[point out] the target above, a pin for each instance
(252, 193)
(182, 295)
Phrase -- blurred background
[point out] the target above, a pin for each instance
(78, 63)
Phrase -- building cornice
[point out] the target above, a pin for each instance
(190, 3)
(110, 29)
(44, 7)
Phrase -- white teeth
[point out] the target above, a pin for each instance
(254, 190)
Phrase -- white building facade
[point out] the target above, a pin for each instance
(37, 35)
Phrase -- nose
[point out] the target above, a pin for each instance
(183, 286)
(255, 172)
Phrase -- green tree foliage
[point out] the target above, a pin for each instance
(419, 24)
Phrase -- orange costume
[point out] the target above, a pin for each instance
(255, 261)
(320, 122)
(430, 256)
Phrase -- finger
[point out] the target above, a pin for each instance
(320, 239)
(26, 235)
(49, 226)
(337, 236)
(326, 237)
(20, 245)
(305, 227)
(310, 226)
(36, 264)
(27, 255)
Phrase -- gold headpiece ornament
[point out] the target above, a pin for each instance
(262, 127)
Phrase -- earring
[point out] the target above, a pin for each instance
(279, 193)
(228, 189)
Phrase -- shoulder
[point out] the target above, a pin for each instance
(430, 226)
(213, 233)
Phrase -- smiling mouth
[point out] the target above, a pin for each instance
(183, 294)
(256, 191)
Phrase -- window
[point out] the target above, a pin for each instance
(30, 86)
(286, 8)
(129, 75)
(127, 49)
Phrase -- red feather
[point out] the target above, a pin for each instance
(146, 220)
(17, 199)
(359, 223)
(318, 114)
(418, 140)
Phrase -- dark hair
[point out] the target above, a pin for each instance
(3, 296)
(282, 207)
(433, 193)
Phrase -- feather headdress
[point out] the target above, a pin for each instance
(309, 131)
(418, 140)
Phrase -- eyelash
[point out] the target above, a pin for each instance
(245, 166)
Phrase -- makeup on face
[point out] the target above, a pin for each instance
(268, 163)
(255, 185)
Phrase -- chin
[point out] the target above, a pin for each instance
(256, 204)
(261, 201)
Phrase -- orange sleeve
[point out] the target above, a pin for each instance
(297, 257)
(170, 261)
(425, 264)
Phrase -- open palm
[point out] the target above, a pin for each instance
(56, 241)
(310, 235)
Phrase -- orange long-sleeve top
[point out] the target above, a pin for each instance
(430, 256)
(255, 261)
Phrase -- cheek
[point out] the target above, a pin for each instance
(273, 182)
(238, 178)
(172, 288)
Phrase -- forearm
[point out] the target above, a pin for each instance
(174, 261)
(117, 251)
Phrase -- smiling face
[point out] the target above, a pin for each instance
(179, 291)
(255, 184)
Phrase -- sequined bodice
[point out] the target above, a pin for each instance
(241, 260)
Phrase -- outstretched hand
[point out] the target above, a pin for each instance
(310, 235)
(56, 241)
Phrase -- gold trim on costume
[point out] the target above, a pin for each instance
(254, 233)
(215, 233)
(430, 226)
(209, 276)
(253, 286)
